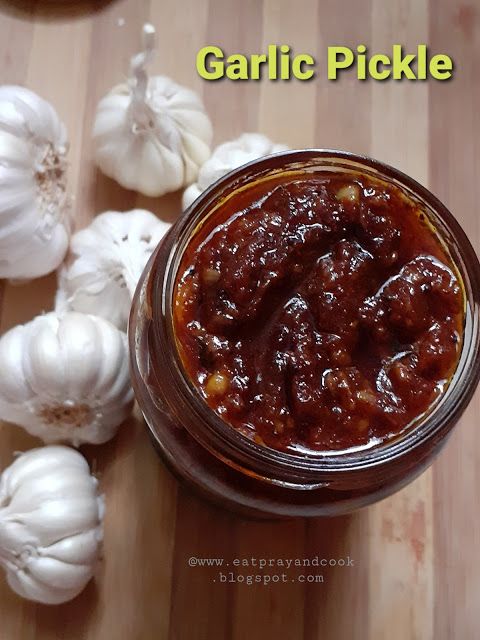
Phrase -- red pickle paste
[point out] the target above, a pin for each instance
(318, 313)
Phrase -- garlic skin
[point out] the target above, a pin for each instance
(151, 135)
(65, 378)
(229, 156)
(34, 224)
(108, 259)
(50, 524)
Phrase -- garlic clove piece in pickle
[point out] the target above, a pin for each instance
(108, 258)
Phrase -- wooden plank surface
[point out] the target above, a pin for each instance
(416, 556)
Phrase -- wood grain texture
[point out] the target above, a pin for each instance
(416, 555)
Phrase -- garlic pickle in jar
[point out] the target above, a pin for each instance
(306, 336)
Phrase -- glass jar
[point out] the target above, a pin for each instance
(225, 466)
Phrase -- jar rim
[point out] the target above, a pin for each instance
(238, 450)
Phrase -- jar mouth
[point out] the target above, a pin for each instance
(216, 434)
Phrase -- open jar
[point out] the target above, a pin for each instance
(238, 472)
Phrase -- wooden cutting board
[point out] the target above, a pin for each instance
(416, 556)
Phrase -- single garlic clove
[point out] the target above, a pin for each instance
(78, 549)
(28, 587)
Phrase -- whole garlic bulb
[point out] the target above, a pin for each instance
(151, 135)
(34, 225)
(50, 524)
(65, 378)
(108, 259)
(229, 156)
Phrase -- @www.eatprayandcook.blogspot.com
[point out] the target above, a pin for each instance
(266, 571)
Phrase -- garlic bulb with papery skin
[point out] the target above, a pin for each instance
(50, 524)
(65, 378)
(34, 225)
(108, 259)
(229, 156)
(151, 135)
